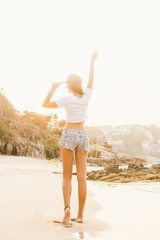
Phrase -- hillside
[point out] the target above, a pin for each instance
(19, 136)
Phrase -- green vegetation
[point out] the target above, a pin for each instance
(93, 140)
(155, 131)
(106, 145)
(3, 130)
(6, 108)
(51, 142)
(40, 121)
(5, 134)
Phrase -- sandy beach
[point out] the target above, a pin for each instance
(31, 200)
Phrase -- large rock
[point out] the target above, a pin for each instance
(105, 153)
(136, 165)
(126, 158)
(109, 156)
(156, 166)
(112, 169)
(23, 147)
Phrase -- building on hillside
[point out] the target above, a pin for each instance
(99, 138)
(121, 130)
(150, 146)
(106, 129)
(146, 146)
(109, 139)
(117, 144)
(137, 129)
(149, 136)
(156, 148)
(114, 143)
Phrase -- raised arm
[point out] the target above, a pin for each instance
(46, 103)
(91, 72)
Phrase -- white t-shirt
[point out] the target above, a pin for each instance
(75, 107)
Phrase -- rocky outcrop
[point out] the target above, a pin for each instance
(134, 173)
(23, 147)
(108, 157)
(105, 153)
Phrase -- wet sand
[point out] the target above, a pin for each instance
(130, 210)
(31, 199)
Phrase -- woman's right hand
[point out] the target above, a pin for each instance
(94, 55)
(55, 85)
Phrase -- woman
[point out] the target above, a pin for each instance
(74, 137)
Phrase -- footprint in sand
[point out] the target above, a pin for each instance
(65, 225)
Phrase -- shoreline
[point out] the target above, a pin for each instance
(32, 199)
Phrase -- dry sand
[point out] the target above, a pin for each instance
(31, 199)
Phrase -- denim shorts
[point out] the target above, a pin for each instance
(75, 139)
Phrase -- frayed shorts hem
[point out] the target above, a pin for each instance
(73, 149)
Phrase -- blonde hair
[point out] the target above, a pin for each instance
(75, 83)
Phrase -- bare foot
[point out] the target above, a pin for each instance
(78, 219)
(66, 220)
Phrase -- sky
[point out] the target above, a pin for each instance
(42, 42)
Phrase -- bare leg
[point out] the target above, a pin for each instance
(81, 165)
(67, 163)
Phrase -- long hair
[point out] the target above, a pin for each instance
(75, 83)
